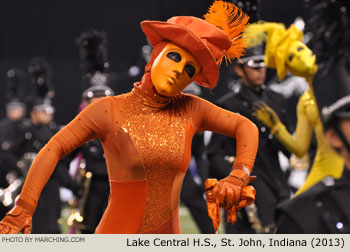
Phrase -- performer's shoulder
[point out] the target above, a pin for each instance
(188, 98)
(305, 100)
(191, 102)
(106, 101)
(305, 97)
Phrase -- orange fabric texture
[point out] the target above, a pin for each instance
(247, 197)
(158, 130)
(117, 214)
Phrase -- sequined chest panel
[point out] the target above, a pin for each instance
(158, 133)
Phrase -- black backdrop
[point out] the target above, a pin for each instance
(48, 29)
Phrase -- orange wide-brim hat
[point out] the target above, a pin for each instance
(206, 42)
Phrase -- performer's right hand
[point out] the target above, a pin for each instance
(18, 219)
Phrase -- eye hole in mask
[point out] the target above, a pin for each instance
(190, 70)
(175, 56)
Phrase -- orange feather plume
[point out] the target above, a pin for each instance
(233, 21)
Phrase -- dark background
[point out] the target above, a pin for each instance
(49, 28)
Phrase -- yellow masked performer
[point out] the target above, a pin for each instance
(285, 52)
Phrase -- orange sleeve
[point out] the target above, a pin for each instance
(207, 116)
(93, 122)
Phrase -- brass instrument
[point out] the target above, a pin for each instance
(76, 218)
(252, 213)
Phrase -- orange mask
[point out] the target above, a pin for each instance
(173, 70)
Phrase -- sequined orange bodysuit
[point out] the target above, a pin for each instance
(147, 142)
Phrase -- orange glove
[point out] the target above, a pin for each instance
(214, 210)
(231, 193)
(247, 198)
(228, 190)
(18, 219)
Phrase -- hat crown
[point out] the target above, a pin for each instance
(215, 39)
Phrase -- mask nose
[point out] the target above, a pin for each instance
(178, 69)
(177, 72)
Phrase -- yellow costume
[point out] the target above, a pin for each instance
(285, 52)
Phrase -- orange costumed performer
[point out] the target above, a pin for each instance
(147, 133)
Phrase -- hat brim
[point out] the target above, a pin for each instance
(157, 31)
